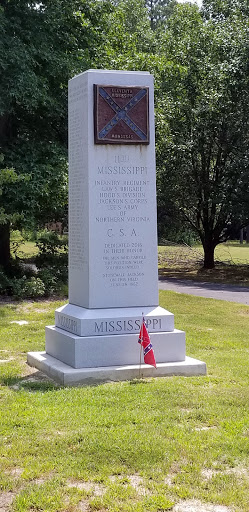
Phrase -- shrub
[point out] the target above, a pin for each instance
(27, 288)
(5, 283)
(50, 280)
(51, 246)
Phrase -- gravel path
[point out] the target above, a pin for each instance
(231, 293)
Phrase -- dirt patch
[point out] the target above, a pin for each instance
(39, 481)
(138, 484)
(201, 429)
(6, 499)
(19, 322)
(239, 472)
(16, 472)
(96, 489)
(135, 481)
(169, 480)
(197, 506)
(84, 506)
(207, 474)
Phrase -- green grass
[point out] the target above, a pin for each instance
(27, 250)
(233, 252)
(229, 252)
(132, 446)
(184, 262)
(22, 248)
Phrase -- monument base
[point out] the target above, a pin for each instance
(68, 376)
(115, 350)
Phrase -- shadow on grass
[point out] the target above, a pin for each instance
(134, 382)
(36, 381)
(222, 273)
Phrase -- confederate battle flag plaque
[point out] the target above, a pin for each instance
(121, 114)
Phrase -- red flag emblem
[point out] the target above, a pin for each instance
(144, 340)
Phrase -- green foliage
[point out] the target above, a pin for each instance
(52, 260)
(42, 45)
(159, 11)
(48, 274)
(22, 286)
(10, 183)
(129, 37)
(203, 123)
(5, 283)
(50, 244)
(200, 62)
(27, 288)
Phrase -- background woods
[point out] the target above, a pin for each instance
(200, 62)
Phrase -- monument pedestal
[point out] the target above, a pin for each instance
(113, 269)
(68, 376)
(85, 346)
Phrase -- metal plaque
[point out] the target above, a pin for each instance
(121, 114)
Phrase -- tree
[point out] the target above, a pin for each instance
(203, 123)
(159, 11)
(8, 215)
(42, 44)
(129, 38)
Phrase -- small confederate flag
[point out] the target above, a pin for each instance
(144, 340)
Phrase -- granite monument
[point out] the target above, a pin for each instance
(113, 272)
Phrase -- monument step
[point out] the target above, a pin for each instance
(122, 349)
(68, 376)
(112, 321)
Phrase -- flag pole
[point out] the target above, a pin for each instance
(141, 348)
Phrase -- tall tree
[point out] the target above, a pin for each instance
(42, 44)
(129, 38)
(159, 11)
(203, 133)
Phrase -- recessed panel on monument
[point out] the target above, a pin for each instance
(112, 190)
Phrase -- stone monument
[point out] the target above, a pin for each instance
(113, 269)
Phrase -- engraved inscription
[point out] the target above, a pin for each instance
(77, 179)
(67, 323)
(123, 214)
(118, 326)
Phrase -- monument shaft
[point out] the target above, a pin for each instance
(112, 191)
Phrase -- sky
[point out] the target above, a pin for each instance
(198, 2)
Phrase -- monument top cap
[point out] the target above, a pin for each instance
(112, 71)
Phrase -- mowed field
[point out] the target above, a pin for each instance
(176, 443)
(184, 262)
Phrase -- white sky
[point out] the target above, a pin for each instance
(198, 2)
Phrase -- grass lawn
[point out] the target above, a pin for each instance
(151, 445)
(22, 248)
(184, 262)
(27, 250)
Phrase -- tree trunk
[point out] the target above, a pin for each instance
(241, 236)
(209, 255)
(247, 234)
(4, 245)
